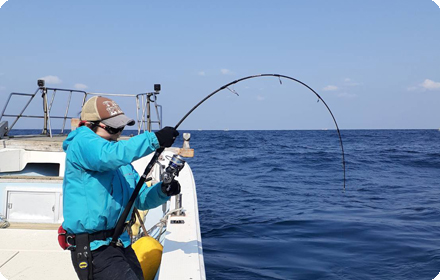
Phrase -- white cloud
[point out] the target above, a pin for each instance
(2, 88)
(437, 2)
(80, 86)
(346, 95)
(330, 88)
(260, 98)
(2, 2)
(201, 73)
(430, 85)
(51, 79)
(226, 72)
(412, 88)
(350, 82)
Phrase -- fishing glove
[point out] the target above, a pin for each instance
(166, 136)
(172, 188)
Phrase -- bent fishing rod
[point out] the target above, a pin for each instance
(121, 222)
(279, 77)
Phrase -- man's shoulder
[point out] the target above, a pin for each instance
(83, 140)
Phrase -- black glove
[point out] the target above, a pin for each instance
(172, 188)
(166, 136)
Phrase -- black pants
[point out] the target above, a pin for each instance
(114, 263)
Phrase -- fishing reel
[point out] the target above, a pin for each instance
(176, 164)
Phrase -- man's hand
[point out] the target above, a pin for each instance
(166, 136)
(172, 188)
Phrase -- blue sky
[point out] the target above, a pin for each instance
(376, 63)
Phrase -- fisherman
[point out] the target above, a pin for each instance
(98, 182)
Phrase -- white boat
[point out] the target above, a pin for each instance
(31, 174)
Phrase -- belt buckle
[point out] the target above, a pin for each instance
(119, 243)
(71, 246)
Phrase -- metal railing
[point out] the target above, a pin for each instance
(143, 110)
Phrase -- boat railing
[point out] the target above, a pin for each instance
(143, 110)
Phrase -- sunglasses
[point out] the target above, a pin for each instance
(112, 130)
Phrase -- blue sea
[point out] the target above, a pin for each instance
(272, 204)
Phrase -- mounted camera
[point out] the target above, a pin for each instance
(157, 88)
(40, 83)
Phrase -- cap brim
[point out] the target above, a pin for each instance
(118, 121)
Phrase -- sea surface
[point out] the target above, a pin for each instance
(272, 204)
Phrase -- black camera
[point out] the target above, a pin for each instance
(157, 88)
(40, 83)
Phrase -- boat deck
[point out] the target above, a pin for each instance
(37, 143)
(33, 254)
(34, 143)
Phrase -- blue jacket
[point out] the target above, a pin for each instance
(99, 180)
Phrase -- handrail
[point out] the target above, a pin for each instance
(22, 111)
(143, 101)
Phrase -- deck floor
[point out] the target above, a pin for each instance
(33, 254)
(34, 143)
(37, 142)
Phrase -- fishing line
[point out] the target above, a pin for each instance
(279, 78)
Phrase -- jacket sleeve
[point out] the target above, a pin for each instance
(97, 154)
(150, 197)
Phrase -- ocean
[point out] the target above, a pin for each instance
(272, 204)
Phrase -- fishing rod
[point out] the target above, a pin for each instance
(120, 225)
(279, 77)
